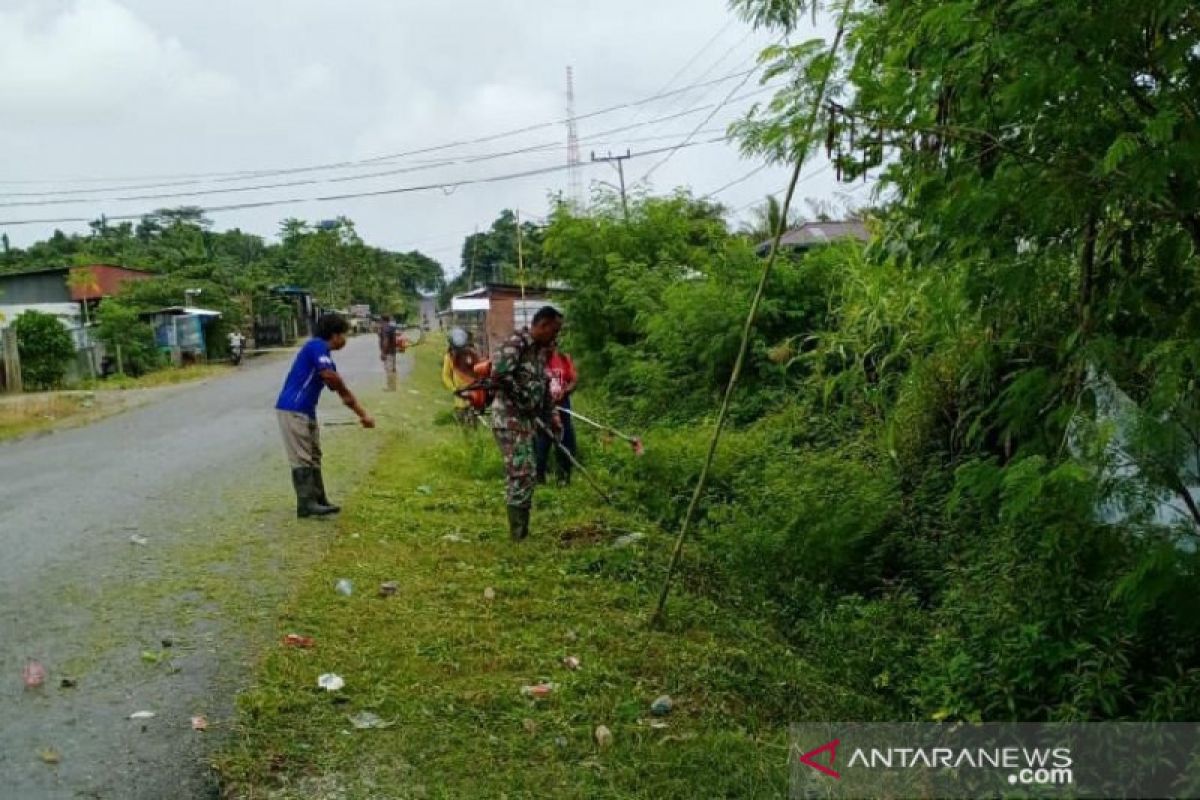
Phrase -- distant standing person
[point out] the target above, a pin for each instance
(522, 402)
(296, 408)
(387, 350)
(560, 370)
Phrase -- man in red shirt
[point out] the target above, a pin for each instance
(561, 372)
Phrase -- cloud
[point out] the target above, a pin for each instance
(138, 88)
(93, 60)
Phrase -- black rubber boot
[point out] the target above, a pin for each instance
(518, 522)
(322, 498)
(305, 483)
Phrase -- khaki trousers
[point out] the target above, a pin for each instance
(389, 366)
(301, 439)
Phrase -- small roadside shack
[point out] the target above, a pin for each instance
(181, 332)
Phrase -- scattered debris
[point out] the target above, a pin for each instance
(199, 723)
(366, 721)
(658, 724)
(604, 737)
(413, 391)
(296, 640)
(662, 706)
(529, 725)
(142, 715)
(68, 683)
(388, 588)
(331, 682)
(139, 540)
(629, 539)
(167, 641)
(49, 755)
(560, 741)
(34, 674)
(572, 635)
(571, 662)
(489, 594)
(678, 737)
(453, 537)
(344, 586)
(539, 690)
(424, 489)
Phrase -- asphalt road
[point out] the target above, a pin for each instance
(167, 625)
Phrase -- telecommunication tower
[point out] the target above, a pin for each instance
(574, 188)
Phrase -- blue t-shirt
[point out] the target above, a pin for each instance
(303, 386)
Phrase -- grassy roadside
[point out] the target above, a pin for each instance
(442, 665)
(163, 377)
(30, 413)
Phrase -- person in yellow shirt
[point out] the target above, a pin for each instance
(458, 372)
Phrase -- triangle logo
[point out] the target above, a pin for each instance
(830, 747)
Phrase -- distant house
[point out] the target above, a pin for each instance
(492, 312)
(814, 234)
(69, 293)
(53, 287)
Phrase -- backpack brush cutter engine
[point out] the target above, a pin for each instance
(480, 393)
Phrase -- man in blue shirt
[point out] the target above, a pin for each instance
(296, 408)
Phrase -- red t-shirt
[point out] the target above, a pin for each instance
(561, 371)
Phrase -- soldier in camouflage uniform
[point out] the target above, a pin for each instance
(522, 398)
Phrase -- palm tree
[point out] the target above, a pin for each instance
(766, 218)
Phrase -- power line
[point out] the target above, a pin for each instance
(821, 171)
(239, 175)
(717, 63)
(736, 181)
(80, 196)
(704, 122)
(695, 57)
(451, 185)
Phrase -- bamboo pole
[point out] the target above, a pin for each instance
(747, 327)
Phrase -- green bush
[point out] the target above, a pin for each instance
(46, 349)
(120, 329)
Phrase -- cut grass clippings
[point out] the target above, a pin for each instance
(442, 666)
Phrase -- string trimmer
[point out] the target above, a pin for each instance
(562, 448)
(635, 441)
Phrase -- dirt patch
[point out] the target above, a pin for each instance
(588, 534)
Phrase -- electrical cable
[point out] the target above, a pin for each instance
(238, 175)
(356, 195)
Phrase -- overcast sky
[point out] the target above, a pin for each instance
(101, 95)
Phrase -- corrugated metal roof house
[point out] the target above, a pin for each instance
(812, 234)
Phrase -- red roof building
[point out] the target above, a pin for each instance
(106, 280)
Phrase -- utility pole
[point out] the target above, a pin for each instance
(520, 256)
(474, 248)
(620, 162)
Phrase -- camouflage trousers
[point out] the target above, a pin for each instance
(520, 463)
